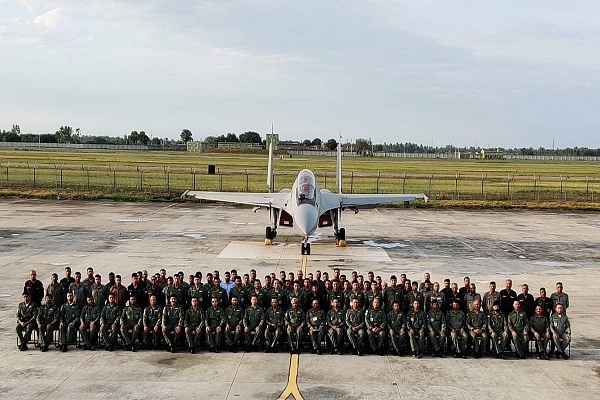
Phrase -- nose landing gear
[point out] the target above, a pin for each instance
(340, 238)
(270, 234)
(305, 249)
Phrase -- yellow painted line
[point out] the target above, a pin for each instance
(291, 389)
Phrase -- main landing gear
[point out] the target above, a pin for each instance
(270, 234)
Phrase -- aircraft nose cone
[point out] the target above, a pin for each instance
(306, 219)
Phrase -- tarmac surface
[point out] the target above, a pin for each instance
(538, 248)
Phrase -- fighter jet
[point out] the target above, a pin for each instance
(305, 206)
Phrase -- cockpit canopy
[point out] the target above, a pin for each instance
(306, 188)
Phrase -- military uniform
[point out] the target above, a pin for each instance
(179, 292)
(560, 325)
(376, 319)
(172, 317)
(392, 294)
(254, 319)
(300, 295)
(315, 319)
(436, 325)
(416, 322)
(151, 319)
(79, 294)
(335, 295)
(109, 321)
(57, 291)
(562, 298)
(131, 319)
(518, 324)
(193, 322)
(241, 295)
(355, 295)
(539, 324)
(90, 315)
(478, 321)
(201, 294)
(294, 321)
(335, 331)
(397, 330)
(355, 321)
(215, 320)
(282, 298)
(469, 299)
(409, 300)
(234, 319)
(274, 324)
(69, 320)
(99, 293)
(220, 294)
(26, 314)
(47, 320)
(488, 301)
(498, 329)
(456, 324)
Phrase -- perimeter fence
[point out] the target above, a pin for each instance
(172, 180)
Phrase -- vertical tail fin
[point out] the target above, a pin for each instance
(270, 178)
(338, 172)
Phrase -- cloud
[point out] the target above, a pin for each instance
(50, 19)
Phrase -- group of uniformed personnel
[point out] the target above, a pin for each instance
(168, 312)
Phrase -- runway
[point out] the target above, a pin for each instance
(538, 248)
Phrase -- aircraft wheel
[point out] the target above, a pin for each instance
(341, 243)
(308, 249)
(268, 242)
(269, 233)
(303, 248)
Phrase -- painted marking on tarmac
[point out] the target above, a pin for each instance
(291, 389)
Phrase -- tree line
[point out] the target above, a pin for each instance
(66, 134)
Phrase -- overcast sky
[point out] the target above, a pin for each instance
(487, 73)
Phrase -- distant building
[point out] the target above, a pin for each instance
(492, 154)
(197, 147)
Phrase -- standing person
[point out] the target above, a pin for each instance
(227, 283)
(545, 302)
(560, 297)
(518, 324)
(218, 293)
(476, 323)
(79, 291)
(136, 289)
(470, 298)
(437, 295)
(152, 320)
(88, 323)
(131, 319)
(193, 324)
(507, 298)
(200, 292)
(234, 323)
(26, 320)
(490, 297)
(527, 301)
(99, 291)
(561, 331)
(355, 293)
(254, 319)
(315, 321)
(540, 329)
(172, 321)
(239, 292)
(392, 293)
(436, 325)
(56, 291)
(120, 292)
(376, 321)
(67, 280)
(47, 320)
(69, 321)
(466, 286)
(294, 324)
(355, 321)
(35, 288)
(273, 325)
(498, 328)
(411, 297)
(89, 279)
(214, 322)
(110, 319)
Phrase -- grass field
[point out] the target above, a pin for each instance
(146, 175)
